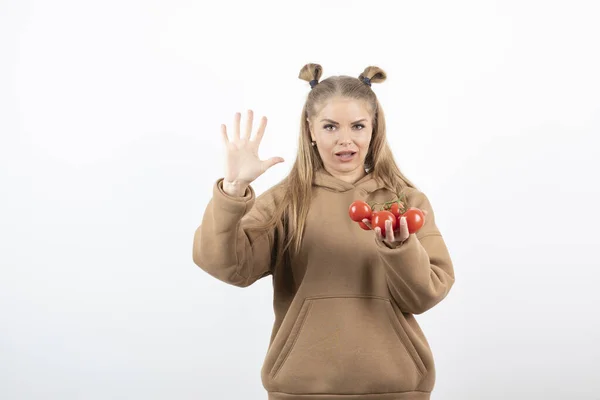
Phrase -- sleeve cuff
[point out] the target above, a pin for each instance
(387, 246)
(233, 203)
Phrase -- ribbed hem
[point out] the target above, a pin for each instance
(371, 396)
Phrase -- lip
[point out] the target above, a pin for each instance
(348, 159)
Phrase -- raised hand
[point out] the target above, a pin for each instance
(242, 165)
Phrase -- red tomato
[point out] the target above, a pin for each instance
(359, 210)
(379, 218)
(362, 225)
(414, 219)
(395, 209)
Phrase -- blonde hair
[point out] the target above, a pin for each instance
(290, 213)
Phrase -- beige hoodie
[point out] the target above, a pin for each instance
(344, 325)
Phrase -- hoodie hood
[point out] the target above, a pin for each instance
(368, 183)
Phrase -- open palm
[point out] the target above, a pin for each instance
(242, 164)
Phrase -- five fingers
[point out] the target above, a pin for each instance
(248, 128)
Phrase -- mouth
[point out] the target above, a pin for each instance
(345, 155)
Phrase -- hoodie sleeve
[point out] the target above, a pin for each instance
(223, 245)
(419, 270)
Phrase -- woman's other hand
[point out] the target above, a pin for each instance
(399, 235)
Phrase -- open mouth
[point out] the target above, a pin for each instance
(346, 155)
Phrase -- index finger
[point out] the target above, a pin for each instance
(261, 130)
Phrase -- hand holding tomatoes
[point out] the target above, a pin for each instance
(391, 223)
(409, 222)
(389, 233)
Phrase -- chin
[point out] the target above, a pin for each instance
(345, 167)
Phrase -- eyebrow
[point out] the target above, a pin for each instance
(333, 122)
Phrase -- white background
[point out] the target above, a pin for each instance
(109, 119)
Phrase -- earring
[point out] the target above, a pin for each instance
(313, 143)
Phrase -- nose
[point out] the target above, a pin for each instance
(345, 136)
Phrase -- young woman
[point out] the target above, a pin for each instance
(344, 295)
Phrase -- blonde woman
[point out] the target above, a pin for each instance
(344, 296)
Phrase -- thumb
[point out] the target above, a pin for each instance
(272, 161)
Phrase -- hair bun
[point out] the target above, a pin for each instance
(372, 74)
(311, 73)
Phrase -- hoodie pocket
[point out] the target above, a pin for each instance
(352, 344)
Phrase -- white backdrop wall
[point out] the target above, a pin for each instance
(109, 121)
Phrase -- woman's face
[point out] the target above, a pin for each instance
(343, 125)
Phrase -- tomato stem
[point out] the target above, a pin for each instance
(387, 205)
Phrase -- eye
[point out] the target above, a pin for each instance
(328, 125)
